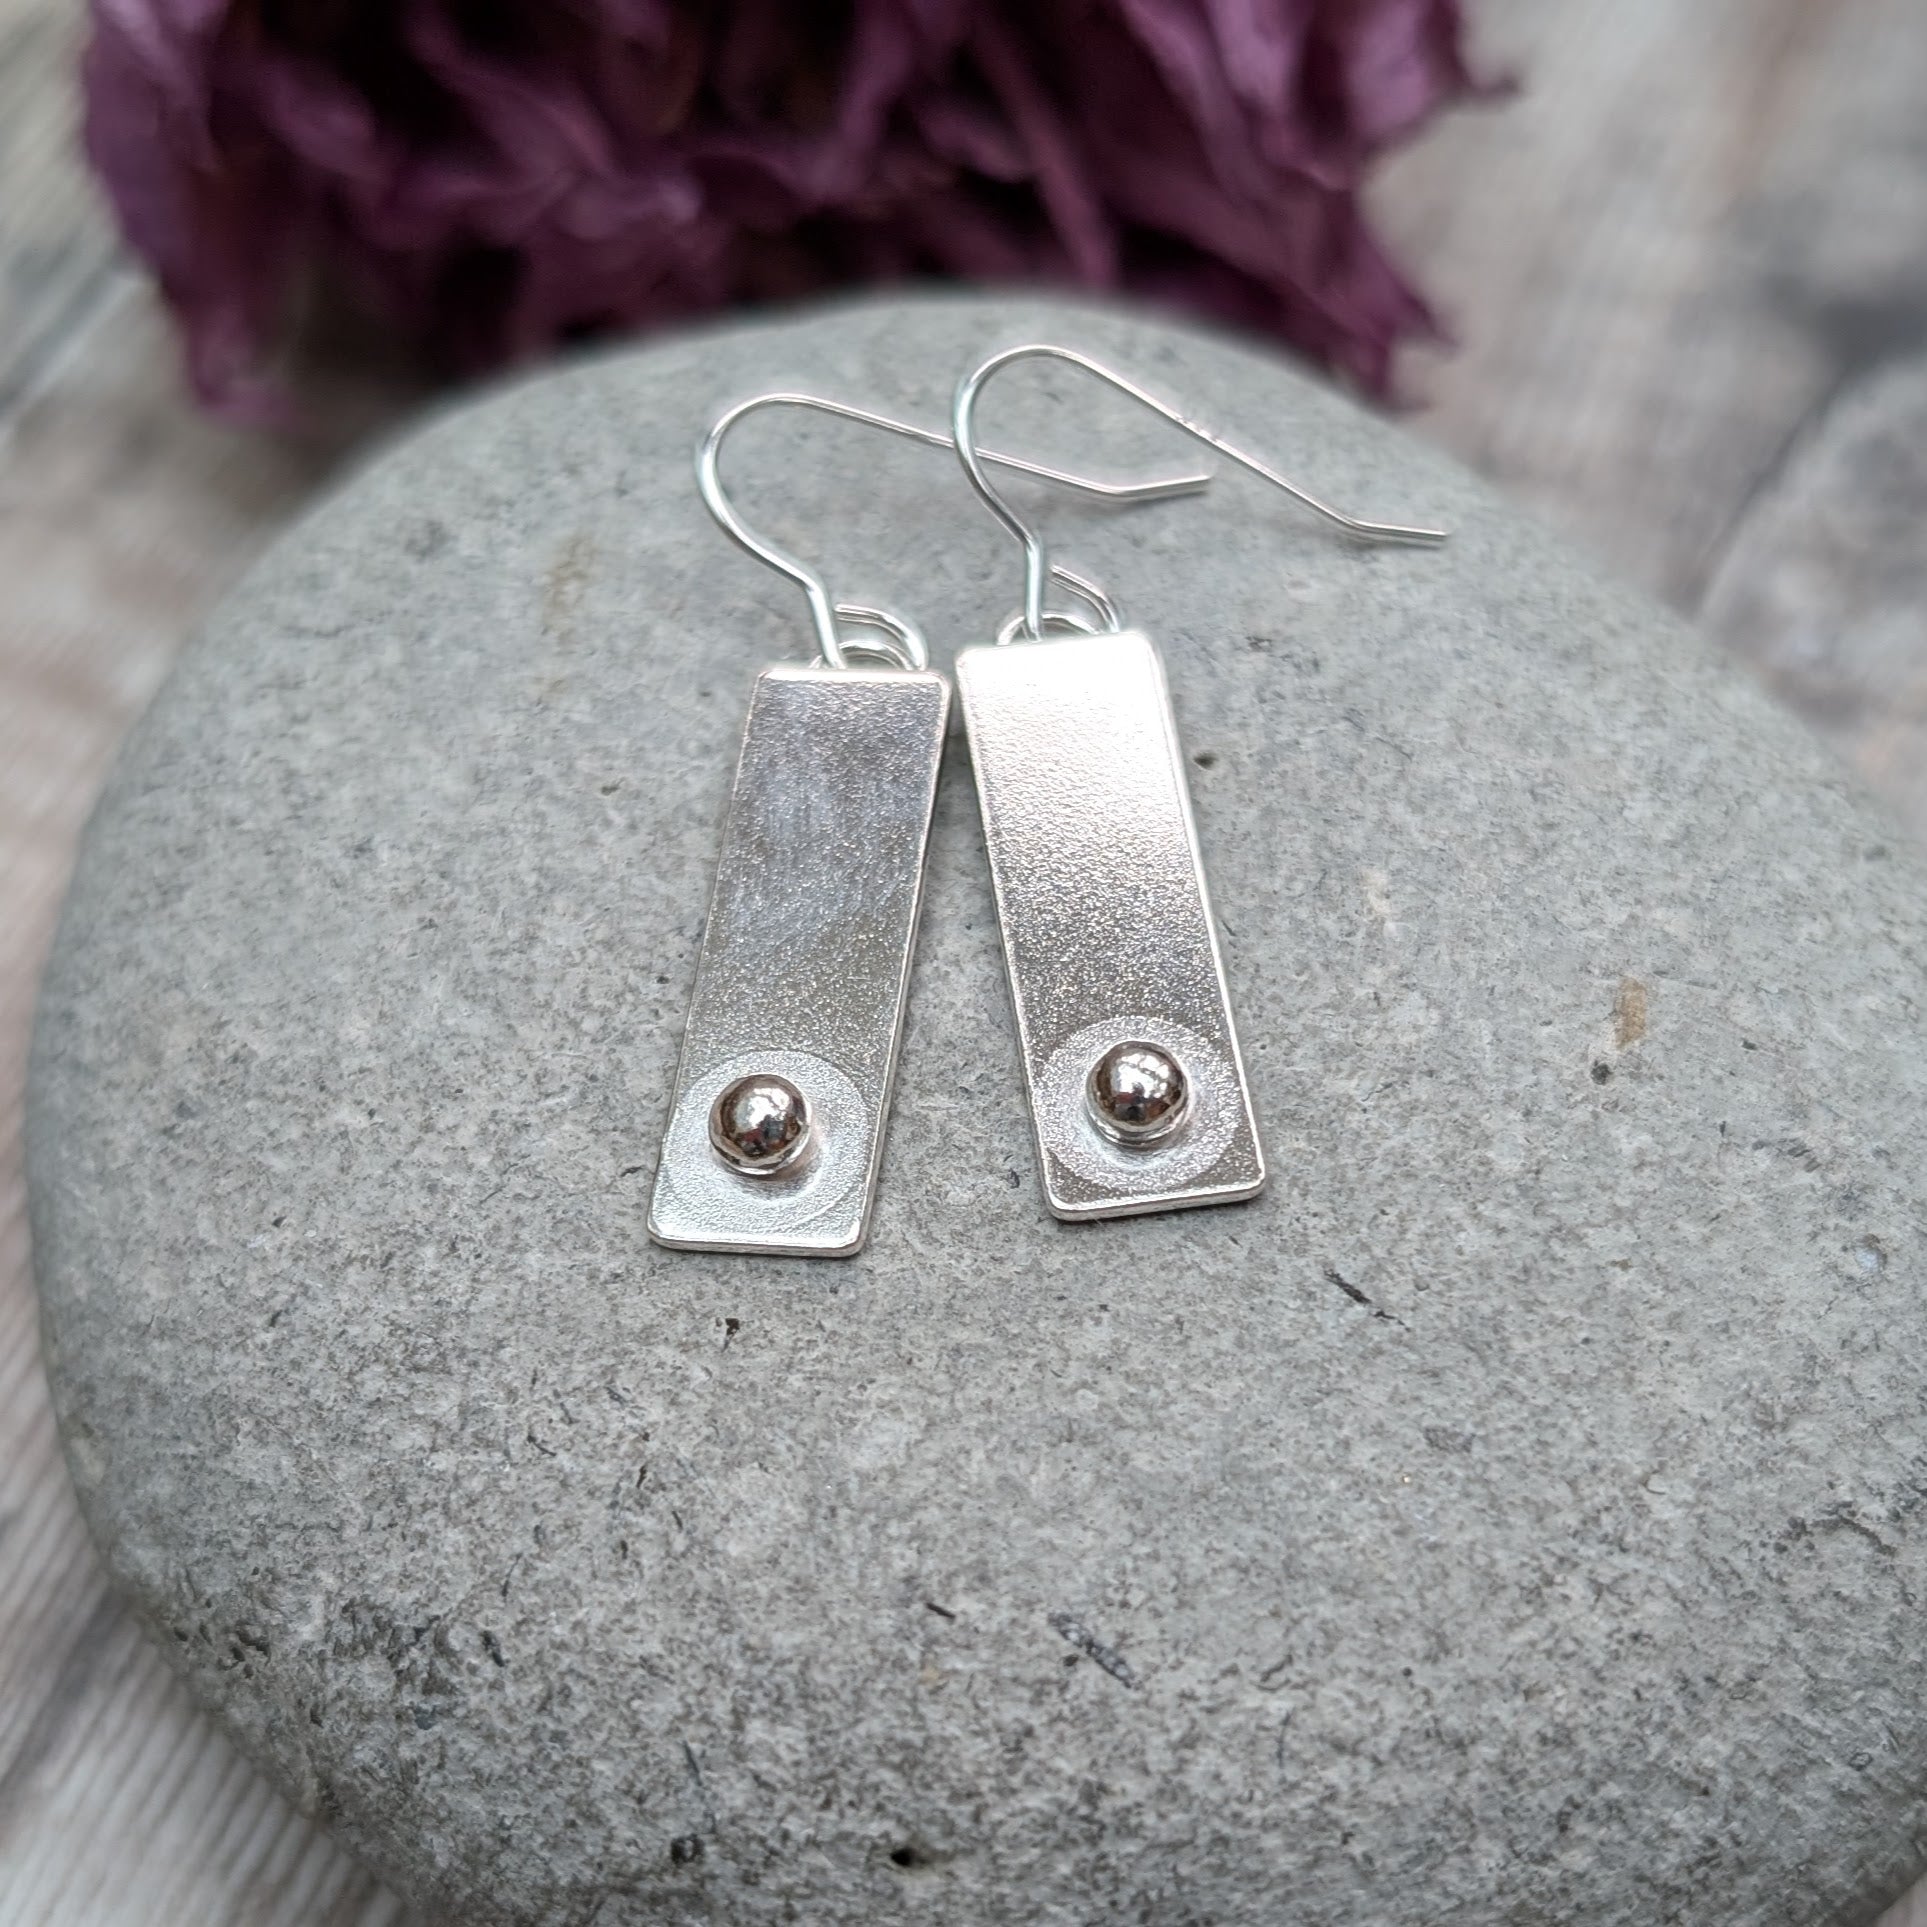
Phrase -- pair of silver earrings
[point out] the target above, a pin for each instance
(1137, 1088)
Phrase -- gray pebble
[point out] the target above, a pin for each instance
(1515, 1516)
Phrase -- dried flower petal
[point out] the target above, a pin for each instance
(496, 178)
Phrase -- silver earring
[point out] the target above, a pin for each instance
(1137, 1088)
(776, 1129)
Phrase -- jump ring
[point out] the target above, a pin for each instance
(1108, 623)
(899, 642)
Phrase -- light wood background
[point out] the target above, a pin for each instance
(1688, 271)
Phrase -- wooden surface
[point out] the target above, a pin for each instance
(1688, 269)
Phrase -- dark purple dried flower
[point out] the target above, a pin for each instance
(496, 177)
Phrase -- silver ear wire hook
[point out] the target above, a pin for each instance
(1037, 569)
(906, 646)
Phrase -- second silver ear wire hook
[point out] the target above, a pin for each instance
(1037, 566)
(904, 644)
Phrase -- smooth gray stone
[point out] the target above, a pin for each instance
(1516, 1516)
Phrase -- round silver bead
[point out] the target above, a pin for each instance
(760, 1125)
(1138, 1094)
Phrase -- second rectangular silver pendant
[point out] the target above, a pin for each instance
(1106, 921)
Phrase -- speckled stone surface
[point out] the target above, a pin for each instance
(1516, 1516)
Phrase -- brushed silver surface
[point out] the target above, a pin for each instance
(1107, 926)
(805, 962)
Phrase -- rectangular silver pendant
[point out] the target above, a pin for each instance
(1107, 926)
(805, 963)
